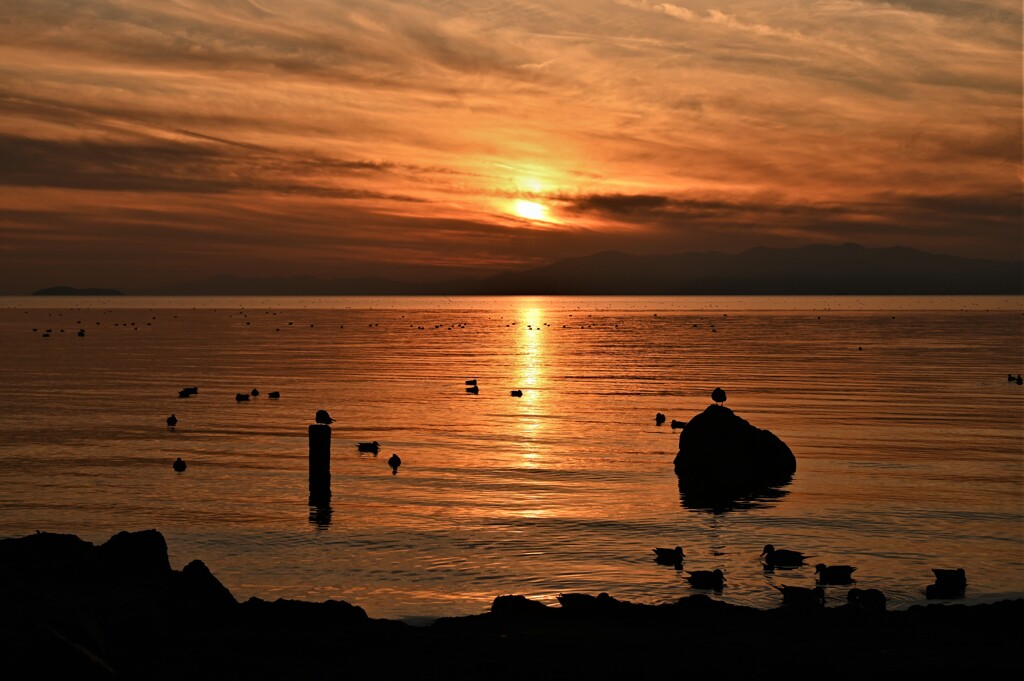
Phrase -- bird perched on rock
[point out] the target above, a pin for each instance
(802, 597)
(659, 418)
(323, 418)
(178, 465)
(669, 556)
(394, 462)
(373, 447)
(866, 599)
(718, 395)
(782, 557)
(172, 421)
(834, 574)
(706, 579)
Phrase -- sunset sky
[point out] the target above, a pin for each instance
(145, 142)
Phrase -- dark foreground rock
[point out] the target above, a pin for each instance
(723, 459)
(70, 610)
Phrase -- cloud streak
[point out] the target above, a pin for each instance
(368, 132)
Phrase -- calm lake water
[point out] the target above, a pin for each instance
(908, 437)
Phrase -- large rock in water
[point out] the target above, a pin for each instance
(721, 450)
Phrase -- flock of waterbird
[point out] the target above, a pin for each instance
(949, 583)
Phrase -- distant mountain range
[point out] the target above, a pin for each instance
(848, 269)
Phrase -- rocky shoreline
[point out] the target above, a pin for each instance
(118, 611)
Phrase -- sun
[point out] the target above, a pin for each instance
(530, 210)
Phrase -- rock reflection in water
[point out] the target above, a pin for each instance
(700, 495)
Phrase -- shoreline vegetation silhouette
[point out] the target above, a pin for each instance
(119, 611)
(848, 269)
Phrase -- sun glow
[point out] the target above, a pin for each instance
(530, 210)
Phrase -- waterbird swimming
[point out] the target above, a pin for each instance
(834, 574)
(394, 462)
(802, 597)
(706, 579)
(475, 389)
(517, 393)
(718, 395)
(184, 393)
(255, 392)
(178, 465)
(866, 599)
(678, 424)
(782, 557)
(172, 421)
(369, 446)
(323, 418)
(471, 382)
(274, 395)
(669, 556)
(659, 418)
(241, 397)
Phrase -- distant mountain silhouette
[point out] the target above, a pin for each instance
(807, 270)
(71, 291)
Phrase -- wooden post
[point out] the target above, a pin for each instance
(320, 462)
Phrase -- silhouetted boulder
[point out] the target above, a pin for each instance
(722, 457)
(44, 557)
(197, 588)
(516, 606)
(290, 614)
(135, 555)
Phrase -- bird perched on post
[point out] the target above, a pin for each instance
(394, 462)
(172, 421)
(323, 418)
(718, 395)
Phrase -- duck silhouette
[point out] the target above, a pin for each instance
(834, 574)
(802, 597)
(659, 418)
(706, 579)
(517, 393)
(254, 392)
(782, 557)
(678, 424)
(394, 461)
(373, 447)
(323, 418)
(866, 599)
(179, 465)
(665, 556)
(718, 395)
(241, 397)
(172, 421)
(471, 382)
(474, 389)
